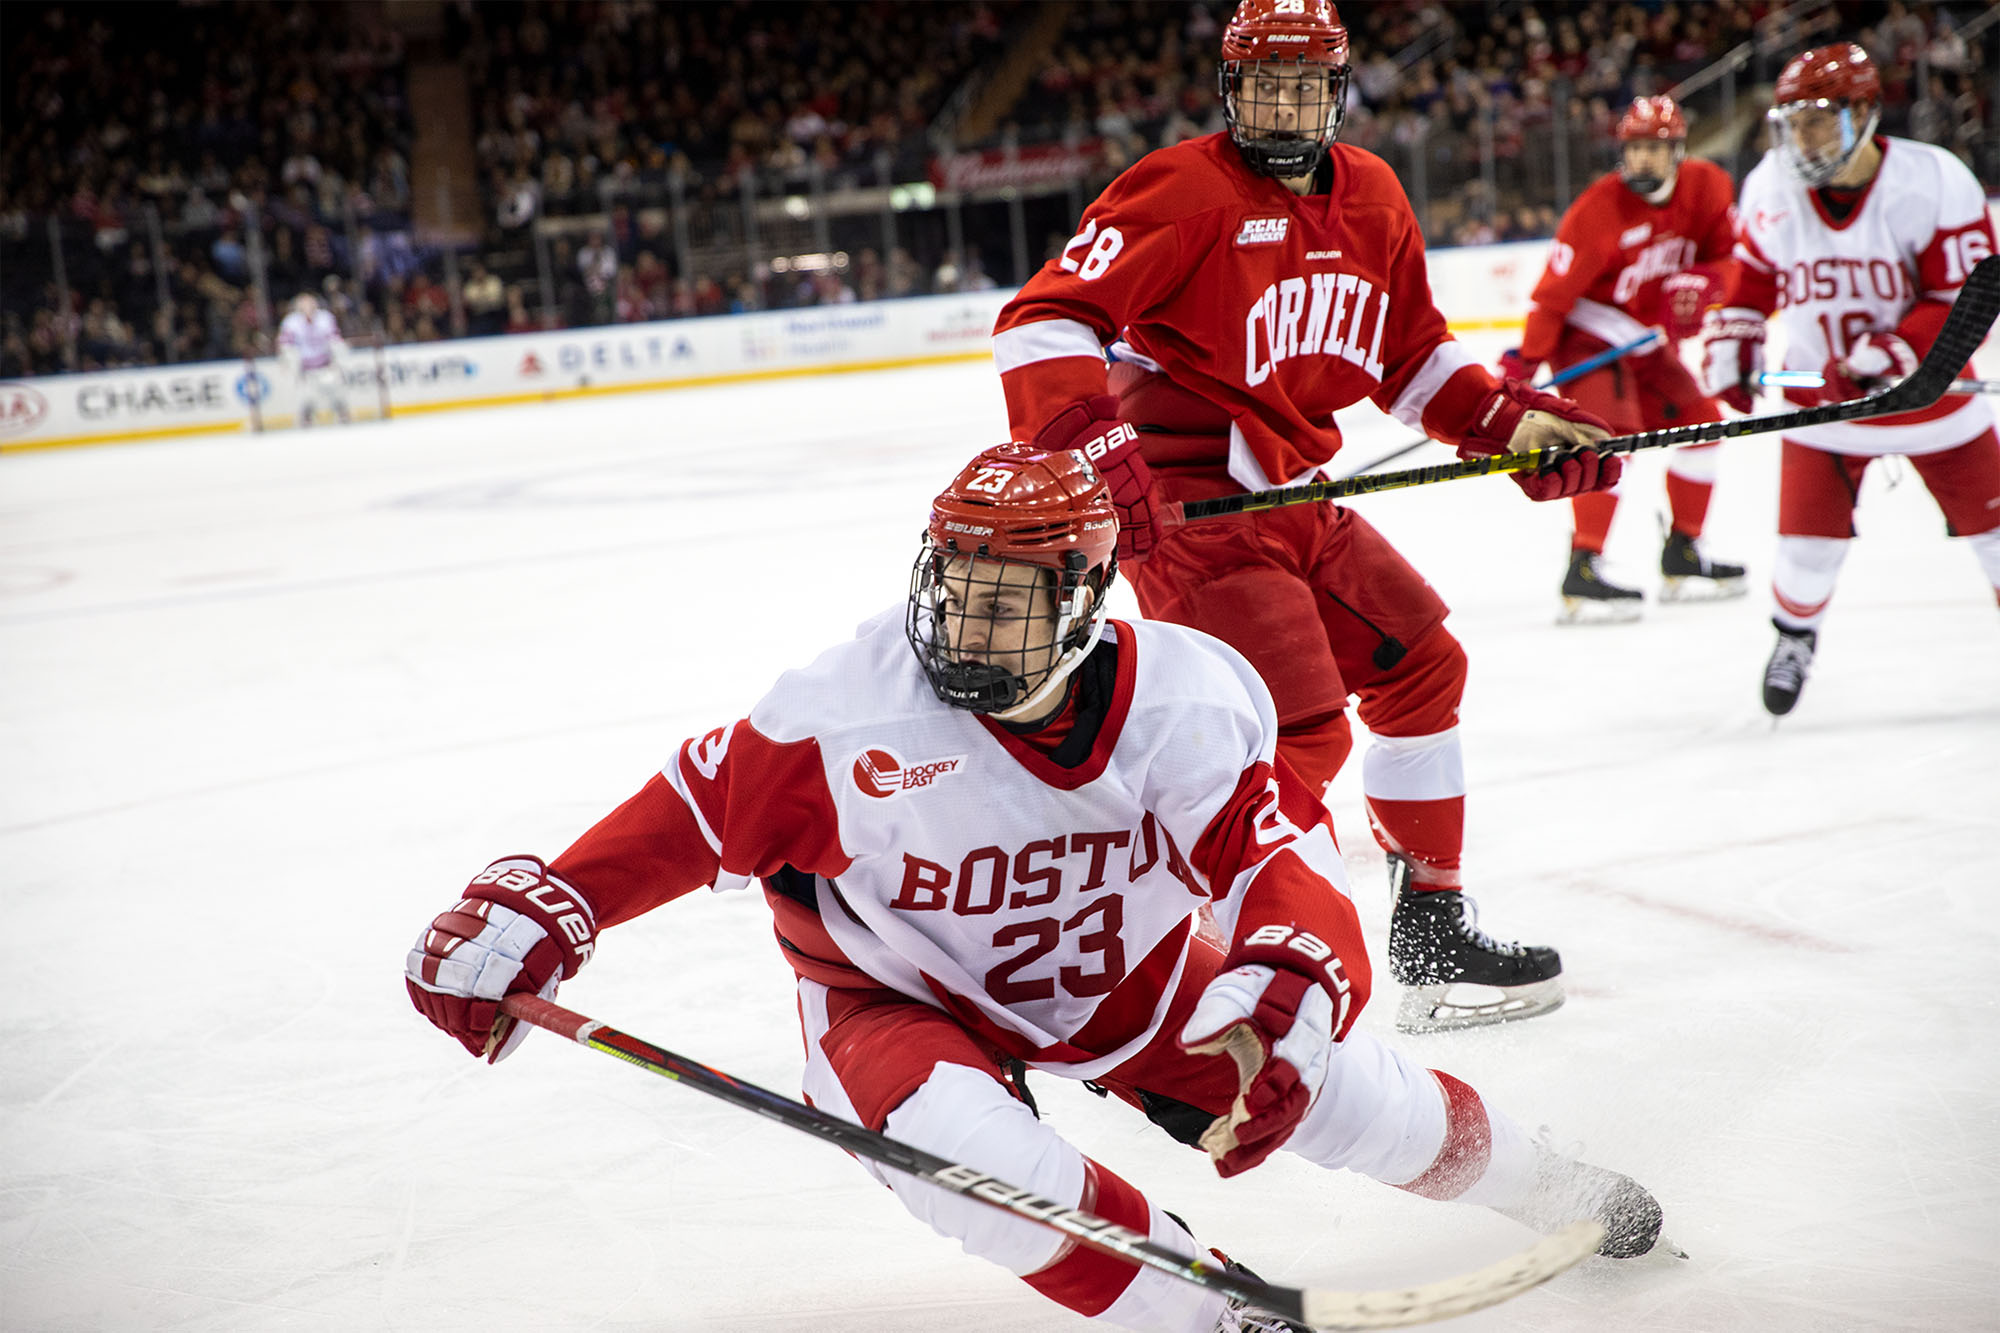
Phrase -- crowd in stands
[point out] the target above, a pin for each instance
(194, 164)
(140, 140)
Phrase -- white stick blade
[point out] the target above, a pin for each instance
(1458, 1295)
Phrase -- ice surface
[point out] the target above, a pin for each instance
(265, 703)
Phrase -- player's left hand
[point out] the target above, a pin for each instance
(1876, 361)
(1685, 299)
(1112, 446)
(1516, 419)
(1277, 1024)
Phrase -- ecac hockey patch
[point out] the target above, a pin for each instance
(881, 774)
(1262, 231)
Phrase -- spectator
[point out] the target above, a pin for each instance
(485, 300)
(597, 266)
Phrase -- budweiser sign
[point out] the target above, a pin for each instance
(996, 168)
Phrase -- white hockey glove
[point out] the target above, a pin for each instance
(1732, 355)
(518, 929)
(1277, 1025)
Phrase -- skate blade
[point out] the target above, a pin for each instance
(1589, 611)
(1690, 589)
(1435, 1008)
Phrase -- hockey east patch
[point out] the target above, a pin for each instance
(882, 774)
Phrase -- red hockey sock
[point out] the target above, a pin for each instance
(1316, 749)
(1085, 1280)
(1689, 501)
(1468, 1143)
(1430, 833)
(1593, 520)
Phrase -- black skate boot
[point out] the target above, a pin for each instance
(1785, 673)
(1589, 600)
(1690, 576)
(1436, 951)
(1568, 1191)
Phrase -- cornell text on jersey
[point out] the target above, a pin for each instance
(1337, 321)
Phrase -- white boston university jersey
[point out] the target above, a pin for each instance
(1915, 235)
(968, 870)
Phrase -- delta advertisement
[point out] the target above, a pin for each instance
(1477, 288)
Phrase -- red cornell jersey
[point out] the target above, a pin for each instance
(1048, 908)
(1277, 308)
(1613, 249)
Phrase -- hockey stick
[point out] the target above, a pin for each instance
(1812, 379)
(1323, 1309)
(1964, 329)
(1577, 371)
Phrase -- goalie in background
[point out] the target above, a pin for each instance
(1646, 247)
(309, 343)
(998, 830)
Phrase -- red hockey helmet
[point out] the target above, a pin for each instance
(1828, 103)
(1652, 118)
(1308, 30)
(1264, 40)
(1007, 596)
(1841, 73)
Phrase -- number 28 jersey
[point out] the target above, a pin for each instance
(930, 851)
(1279, 309)
(1895, 264)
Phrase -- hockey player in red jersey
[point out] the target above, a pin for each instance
(1858, 243)
(1249, 284)
(999, 827)
(1644, 250)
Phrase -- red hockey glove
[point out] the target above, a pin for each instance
(1514, 366)
(1876, 361)
(518, 929)
(1732, 355)
(1684, 301)
(1278, 1025)
(1516, 419)
(1112, 446)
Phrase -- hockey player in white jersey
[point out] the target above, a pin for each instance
(1859, 243)
(997, 829)
(309, 343)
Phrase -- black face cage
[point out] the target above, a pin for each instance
(1284, 153)
(1646, 186)
(1003, 679)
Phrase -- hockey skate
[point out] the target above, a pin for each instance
(1785, 673)
(1589, 600)
(1690, 576)
(1455, 975)
(1566, 1190)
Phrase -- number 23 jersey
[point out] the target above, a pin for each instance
(1050, 908)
